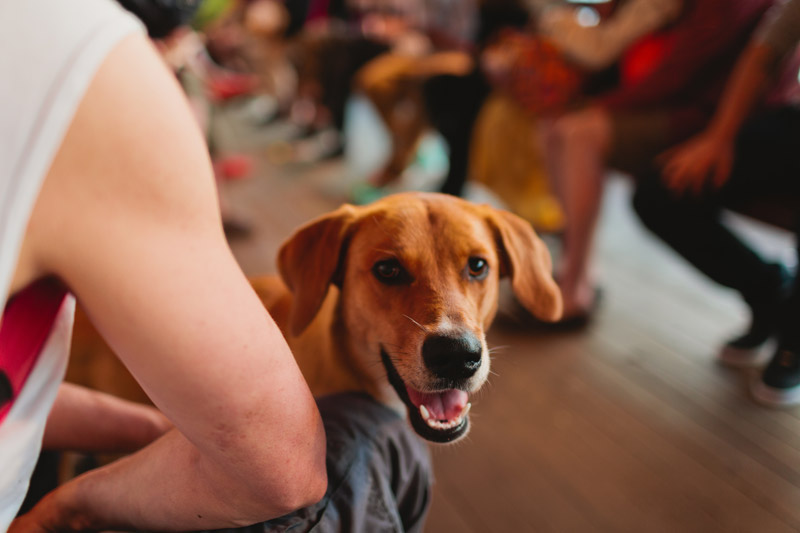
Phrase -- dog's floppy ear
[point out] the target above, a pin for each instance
(310, 260)
(525, 258)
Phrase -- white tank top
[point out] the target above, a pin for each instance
(49, 53)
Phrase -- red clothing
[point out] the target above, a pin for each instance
(26, 324)
(685, 66)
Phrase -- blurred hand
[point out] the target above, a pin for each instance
(703, 162)
(496, 62)
(28, 523)
(39, 520)
(55, 513)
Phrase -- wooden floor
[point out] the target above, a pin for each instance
(626, 426)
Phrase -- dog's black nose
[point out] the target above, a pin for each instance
(452, 356)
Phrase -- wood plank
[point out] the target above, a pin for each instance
(608, 457)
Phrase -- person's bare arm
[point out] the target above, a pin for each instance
(598, 47)
(128, 218)
(707, 158)
(90, 421)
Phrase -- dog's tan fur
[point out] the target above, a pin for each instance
(337, 316)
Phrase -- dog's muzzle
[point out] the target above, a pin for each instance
(439, 412)
(439, 415)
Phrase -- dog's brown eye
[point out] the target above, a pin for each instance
(390, 271)
(478, 267)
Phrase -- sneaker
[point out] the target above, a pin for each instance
(748, 350)
(757, 343)
(780, 383)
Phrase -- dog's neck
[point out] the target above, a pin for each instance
(330, 358)
(332, 361)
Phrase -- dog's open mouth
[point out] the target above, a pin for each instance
(439, 416)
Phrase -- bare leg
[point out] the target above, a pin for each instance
(576, 148)
(406, 125)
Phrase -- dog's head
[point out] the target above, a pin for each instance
(418, 278)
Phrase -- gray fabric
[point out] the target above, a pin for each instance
(379, 473)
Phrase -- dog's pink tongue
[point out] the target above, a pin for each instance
(445, 405)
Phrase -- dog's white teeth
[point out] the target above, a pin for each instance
(443, 424)
(426, 416)
(439, 424)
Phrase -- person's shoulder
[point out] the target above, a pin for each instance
(132, 164)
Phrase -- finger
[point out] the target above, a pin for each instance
(671, 168)
(668, 176)
(678, 176)
(722, 172)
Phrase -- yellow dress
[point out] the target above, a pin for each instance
(505, 158)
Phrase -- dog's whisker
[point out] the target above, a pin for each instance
(500, 348)
(420, 326)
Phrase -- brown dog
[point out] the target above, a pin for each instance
(394, 299)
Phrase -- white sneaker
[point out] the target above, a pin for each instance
(779, 385)
(738, 355)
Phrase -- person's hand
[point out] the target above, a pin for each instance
(496, 62)
(29, 523)
(703, 162)
(50, 515)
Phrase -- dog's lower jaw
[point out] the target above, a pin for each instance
(429, 430)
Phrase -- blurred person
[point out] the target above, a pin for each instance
(333, 43)
(535, 54)
(108, 195)
(426, 39)
(670, 78)
(267, 22)
(453, 101)
(326, 45)
(747, 151)
(534, 62)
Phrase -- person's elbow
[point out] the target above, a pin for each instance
(307, 494)
(305, 483)
(288, 475)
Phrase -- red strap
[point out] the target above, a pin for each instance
(25, 326)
